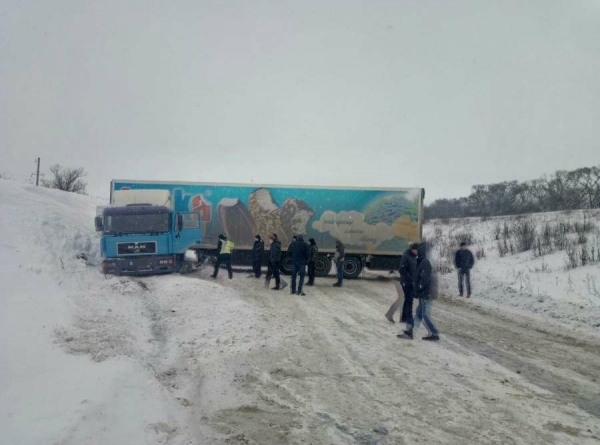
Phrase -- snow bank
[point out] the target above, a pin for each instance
(82, 354)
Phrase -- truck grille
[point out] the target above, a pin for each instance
(136, 248)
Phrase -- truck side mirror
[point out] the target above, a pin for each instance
(179, 222)
(99, 224)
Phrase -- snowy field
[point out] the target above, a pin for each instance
(88, 359)
(547, 281)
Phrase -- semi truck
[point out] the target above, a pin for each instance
(376, 225)
(141, 233)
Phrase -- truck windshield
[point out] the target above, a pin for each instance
(151, 223)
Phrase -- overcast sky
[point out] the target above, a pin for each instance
(435, 94)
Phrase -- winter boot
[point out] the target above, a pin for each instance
(406, 334)
(432, 338)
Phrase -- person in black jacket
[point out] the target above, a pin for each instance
(464, 261)
(291, 245)
(257, 254)
(313, 254)
(300, 254)
(426, 292)
(408, 275)
(274, 262)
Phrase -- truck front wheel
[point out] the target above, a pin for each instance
(352, 267)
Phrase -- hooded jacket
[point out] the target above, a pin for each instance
(258, 249)
(275, 252)
(426, 278)
(408, 268)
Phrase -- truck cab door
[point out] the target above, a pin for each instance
(187, 231)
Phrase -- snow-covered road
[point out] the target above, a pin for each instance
(334, 372)
(249, 365)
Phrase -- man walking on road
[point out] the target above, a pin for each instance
(464, 261)
(426, 292)
(257, 254)
(300, 254)
(339, 257)
(274, 263)
(224, 249)
(313, 254)
(408, 274)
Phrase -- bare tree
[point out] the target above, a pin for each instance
(563, 190)
(588, 180)
(67, 179)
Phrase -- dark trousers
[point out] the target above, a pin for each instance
(256, 266)
(407, 307)
(298, 269)
(223, 259)
(340, 272)
(273, 271)
(311, 272)
(464, 276)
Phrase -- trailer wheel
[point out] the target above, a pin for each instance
(322, 266)
(286, 265)
(352, 267)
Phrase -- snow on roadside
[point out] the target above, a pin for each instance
(537, 286)
(85, 358)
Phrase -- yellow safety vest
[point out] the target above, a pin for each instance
(226, 247)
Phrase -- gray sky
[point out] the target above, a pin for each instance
(435, 94)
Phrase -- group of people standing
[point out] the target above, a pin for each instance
(304, 255)
(417, 280)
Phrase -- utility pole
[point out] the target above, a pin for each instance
(37, 175)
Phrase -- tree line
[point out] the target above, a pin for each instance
(563, 190)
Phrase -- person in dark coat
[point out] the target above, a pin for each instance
(464, 262)
(426, 292)
(300, 254)
(291, 245)
(408, 275)
(274, 262)
(257, 254)
(224, 250)
(313, 254)
(339, 257)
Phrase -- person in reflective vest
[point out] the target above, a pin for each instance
(224, 250)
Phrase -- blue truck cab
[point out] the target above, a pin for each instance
(142, 238)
